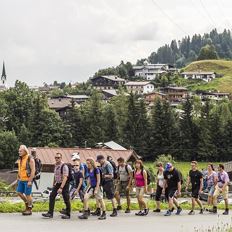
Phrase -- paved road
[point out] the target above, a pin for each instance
(123, 223)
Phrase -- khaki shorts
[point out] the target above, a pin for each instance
(139, 191)
(122, 187)
(90, 193)
(223, 193)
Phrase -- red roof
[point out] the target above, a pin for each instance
(46, 155)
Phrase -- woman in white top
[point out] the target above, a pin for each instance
(159, 186)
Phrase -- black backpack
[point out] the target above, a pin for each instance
(71, 177)
(38, 167)
(115, 169)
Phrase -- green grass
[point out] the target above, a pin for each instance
(221, 67)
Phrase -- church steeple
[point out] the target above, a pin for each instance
(3, 77)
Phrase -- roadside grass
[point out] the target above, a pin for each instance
(8, 207)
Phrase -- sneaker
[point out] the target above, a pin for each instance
(114, 213)
(226, 212)
(65, 216)
(191, 212)
(156, 210)
(178, 211)
(127, 210)
(47, 215)
(103, 216)
(201, 211)
(168, 213)
(139, 213)
(119, 207)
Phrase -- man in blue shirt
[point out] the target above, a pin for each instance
(108, 181)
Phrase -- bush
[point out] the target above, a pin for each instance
(165, 159)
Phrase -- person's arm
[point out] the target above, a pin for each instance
(130, 179)
(187, 183)
(179, 188)
(201, 184)
(227, 180)
(80, 184)
(215, 179)
(98, 183)
(64, 180)
(145, 180)
(110, 172)
(32, 167)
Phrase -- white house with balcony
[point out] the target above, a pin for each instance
(140, 87)
(152, 71)
(199, 75)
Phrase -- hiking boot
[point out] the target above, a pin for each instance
(226, 212)
(47, 215)
(63, 211)
(119, 207)
(103, 216)
(168, 213)
(145, 212)
(139, 213)
(172, 210)
(201, 211)
(89, 213)
(97, 212)
(114, 214)
(214, 210)
(178, 211)
(26, 208)
(27, 212)
(191, 212)
(156, 210)
(85, 215)
(65, 216)
(127, 210)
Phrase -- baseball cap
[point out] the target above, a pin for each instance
(168, 166)
(75, 156)
(100, 157)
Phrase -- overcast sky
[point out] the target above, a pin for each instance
(69, 40)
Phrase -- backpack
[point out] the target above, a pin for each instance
(38, 167)
(95, 174)
(86, 171)
(71, 177)
(115, 169)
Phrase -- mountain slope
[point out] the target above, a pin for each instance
(221, 67)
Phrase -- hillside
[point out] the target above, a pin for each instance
(221, 67)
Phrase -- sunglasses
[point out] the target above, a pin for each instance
(76, 165)
(57, 157)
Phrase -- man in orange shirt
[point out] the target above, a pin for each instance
(26, 174)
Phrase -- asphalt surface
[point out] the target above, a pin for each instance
(124, 222)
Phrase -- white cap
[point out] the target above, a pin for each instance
(75, 156)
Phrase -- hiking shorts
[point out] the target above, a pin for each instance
(139, 191)
(211, 191)
(23, 188)
(195, 192)
(90, 193)
(122, 188)
(171, 193)
(158, 193)
(108, 189)
(224, 193)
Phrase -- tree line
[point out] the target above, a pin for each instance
(195, 131)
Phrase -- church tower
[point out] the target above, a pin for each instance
(3, 77)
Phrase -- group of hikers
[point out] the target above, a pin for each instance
(102, 177)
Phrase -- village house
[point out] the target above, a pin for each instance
(151, 97)
(216, 96)
(152, 71)
(139, 87)
(107, 82)
(199, 75)
(109, 93)
(175, 94)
